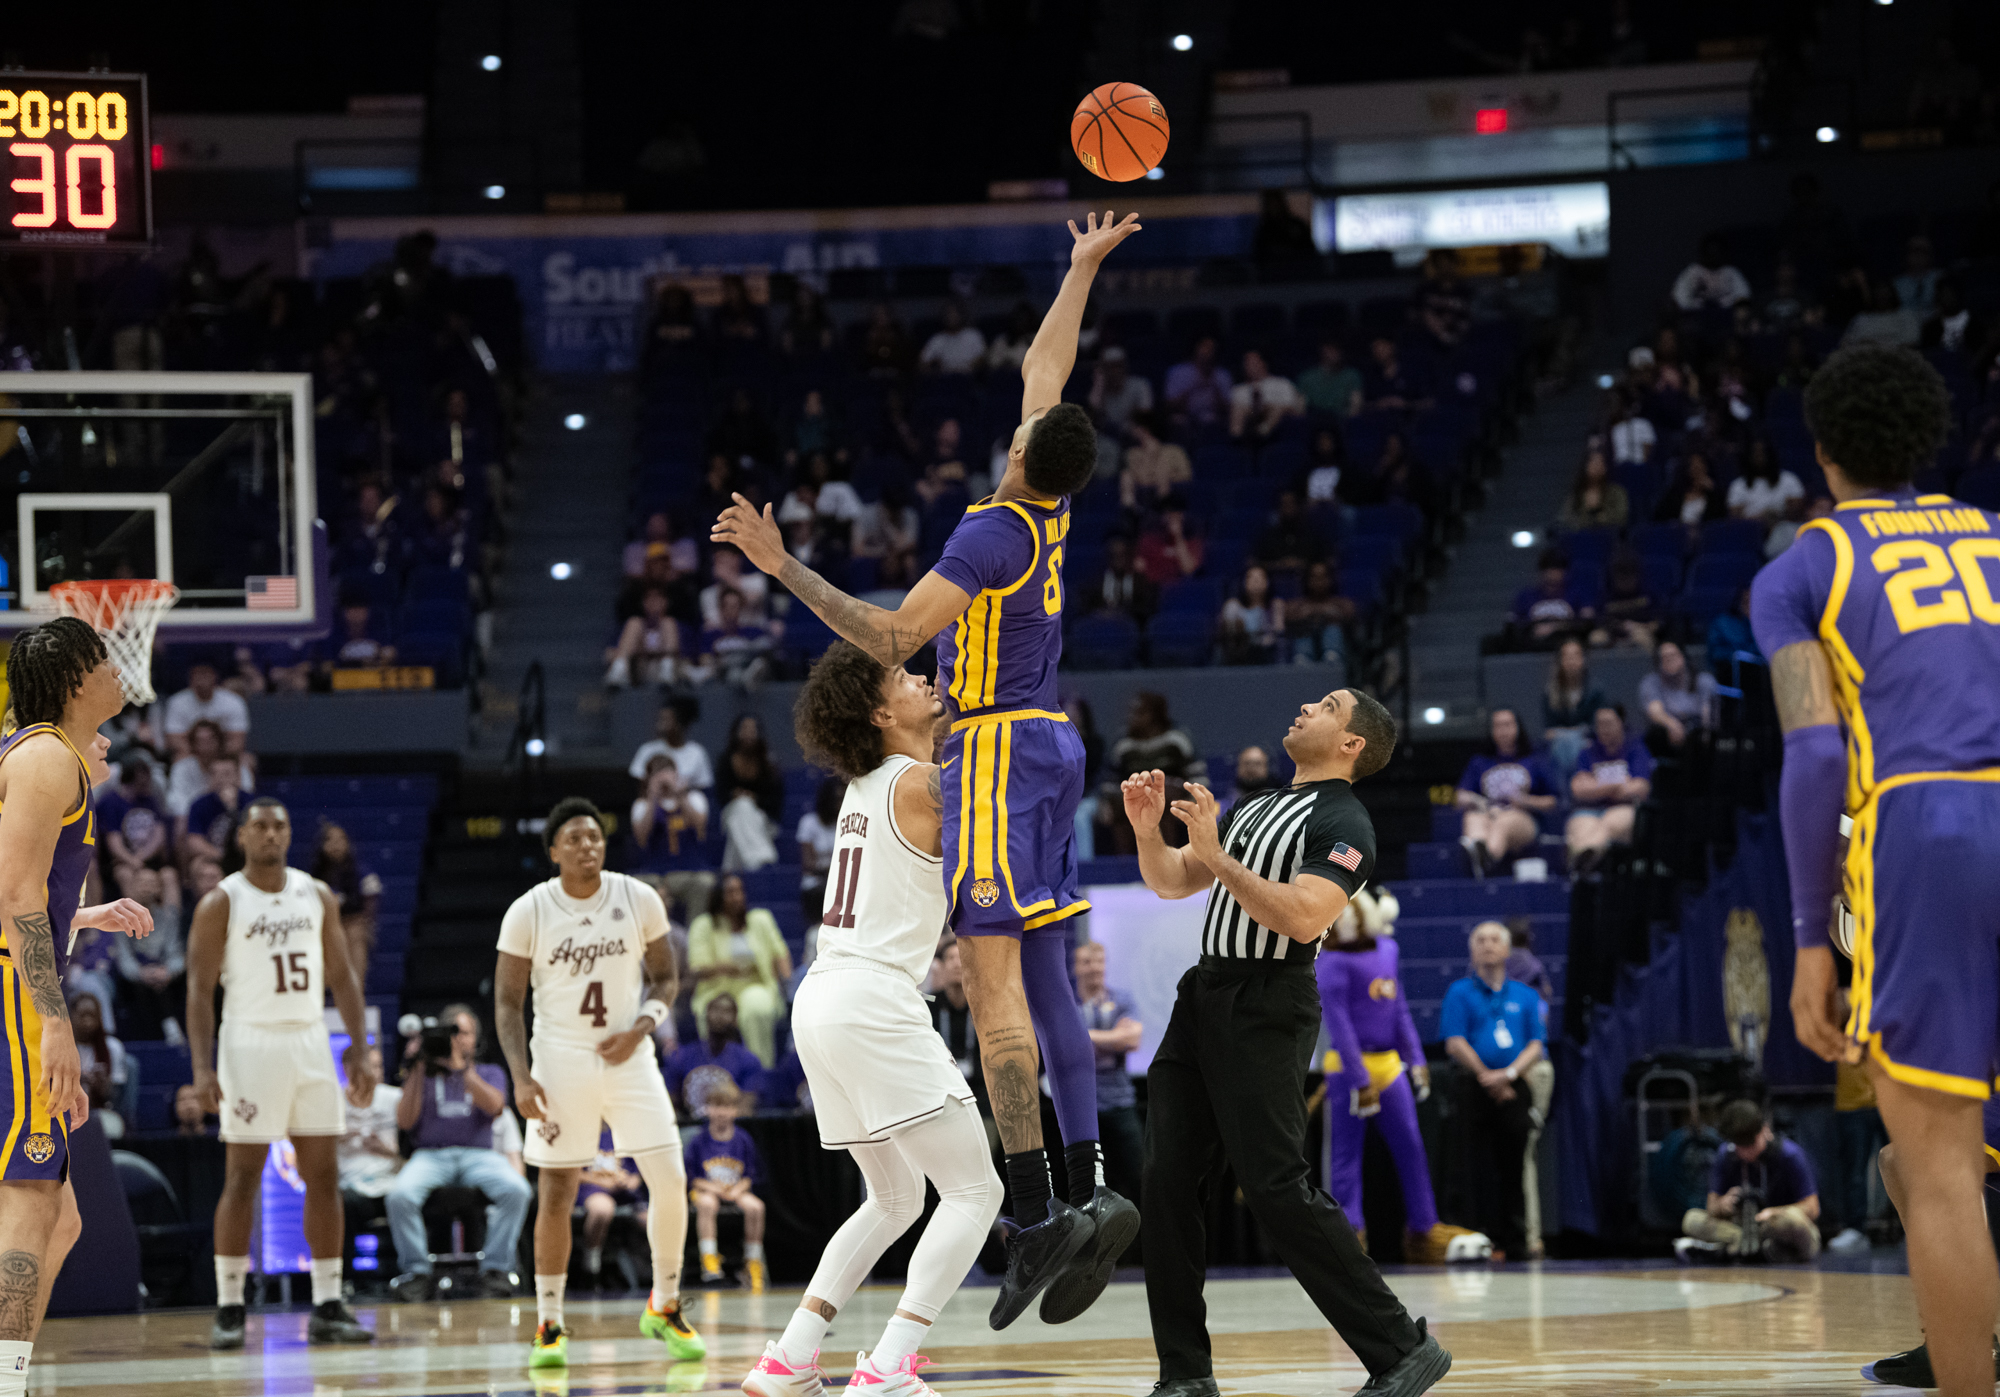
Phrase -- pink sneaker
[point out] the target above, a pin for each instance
(774, 1376)
(899, 1381)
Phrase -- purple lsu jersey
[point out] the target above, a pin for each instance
(1002, 653)
(36, 1144)
(1361, 995)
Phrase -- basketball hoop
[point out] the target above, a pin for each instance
(126, 611)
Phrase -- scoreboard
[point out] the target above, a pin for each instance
(75, 160)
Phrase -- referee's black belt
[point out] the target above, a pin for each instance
(1245, 968)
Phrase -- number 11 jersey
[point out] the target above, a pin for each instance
(588, 958)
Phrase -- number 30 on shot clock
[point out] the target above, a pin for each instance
(75, 160)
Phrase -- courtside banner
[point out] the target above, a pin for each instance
(586, 280)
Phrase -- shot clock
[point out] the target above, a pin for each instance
(75, 160)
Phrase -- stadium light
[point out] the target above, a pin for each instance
(574, 421)
(1433, 715)
(1524, 538)
(495, 191)
(1183, 42)
(1826, 135)
(1605, 380)
(491, 62)
(559, 571)
(1157, 172)
(534, 747)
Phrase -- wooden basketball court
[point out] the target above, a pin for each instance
(1555, 1329)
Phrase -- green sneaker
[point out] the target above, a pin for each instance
(672, 1329)
(550, 1348)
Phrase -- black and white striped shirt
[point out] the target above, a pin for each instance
(1319, 830)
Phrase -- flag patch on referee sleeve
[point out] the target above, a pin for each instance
(1346, 855)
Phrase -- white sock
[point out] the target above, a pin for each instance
(229, 1274)
(709, 1250)
(593, 1259)
(549, 1297)
(326, 1279)
(900, 1338)
(14, 1356)
(753, 1251)
(804, 1335)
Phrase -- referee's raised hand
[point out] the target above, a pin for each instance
(1145, 795)
(1199, 813)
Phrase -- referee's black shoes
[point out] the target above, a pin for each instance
(1416, 1372)
(1036, 1256)
(1186, 1387)
(1084, 1279)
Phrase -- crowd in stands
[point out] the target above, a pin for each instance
(1259, 498)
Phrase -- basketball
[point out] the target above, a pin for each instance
(1119, 131)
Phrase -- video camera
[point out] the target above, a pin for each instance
(1749, 1203)
(435, 1040)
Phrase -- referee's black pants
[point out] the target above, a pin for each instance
(1228, 1084)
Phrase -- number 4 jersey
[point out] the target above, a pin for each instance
(588, 957)
(1904, 596)
(273, 972)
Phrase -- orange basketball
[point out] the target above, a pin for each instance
(1119, 131)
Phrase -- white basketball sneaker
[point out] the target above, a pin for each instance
(899, 1381)
(777, 1376)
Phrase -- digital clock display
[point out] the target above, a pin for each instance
(75, 160)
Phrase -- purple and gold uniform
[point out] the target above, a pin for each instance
(1374, 1040)
(1900, 593)
(1013, 764)
(37, 1140)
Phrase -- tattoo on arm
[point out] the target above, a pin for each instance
(934, 786)
(33, 940)
(1802, 686)
(20, 1289)
(869, 627)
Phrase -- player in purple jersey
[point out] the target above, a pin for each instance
(62, 686)
(1882, 625)
(1012, 776)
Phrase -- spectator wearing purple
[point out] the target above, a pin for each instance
(714, 1062)
(205, 829)
(132, 819)
(1612, 776)
(1502, 792)
(1197, 389)
(356, 886)
(723, 1167)
(732, 649)
(1390, 386)
(609, 1183)
(1112, 1020)
(1544, 612)
(1524, 965)
(448, 1107)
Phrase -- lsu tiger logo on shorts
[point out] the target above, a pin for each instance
(39, 1149)
(246, 1111)
(548, 1130)
(985, 892)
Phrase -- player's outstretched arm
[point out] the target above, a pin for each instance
(208, 937)
(344, 981)
(1053, 354)
(890, 636)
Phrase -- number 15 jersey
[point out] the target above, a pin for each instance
(273, 965)
(1903, 594)
(588, 958)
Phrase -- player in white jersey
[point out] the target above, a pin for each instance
(884, 1087)
(271, 935)
(593, 945)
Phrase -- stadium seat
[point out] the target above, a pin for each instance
(1733, 536)
(1200, 595)
(1103, 641)
(1729, 571)
(1589, 545)
(1660, 540)
(1181, 638)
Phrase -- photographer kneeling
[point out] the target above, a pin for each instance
(449, 1111)
(1762, 1201)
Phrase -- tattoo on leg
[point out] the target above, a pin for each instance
(821, 1308)
(1017, 1105)
(20, 1288)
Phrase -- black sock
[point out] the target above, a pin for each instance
(1029, 1183)
(1084, 1163)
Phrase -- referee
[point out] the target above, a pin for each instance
(1228, 1081)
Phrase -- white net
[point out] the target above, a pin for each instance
(126, 612)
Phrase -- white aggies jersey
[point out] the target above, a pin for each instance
(588, 958)
(273, 967)
(884, 899)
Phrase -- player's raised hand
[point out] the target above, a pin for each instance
(1145, 795)
(758, 535)
(530, 1100)
(1094, 243)
(1199, 813)
(126, 917)
(620, 1046)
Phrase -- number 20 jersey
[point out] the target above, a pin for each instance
(273, 971)
(588, 958)
(1903, 593)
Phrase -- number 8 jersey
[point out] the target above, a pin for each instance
(273, 970)
(587, 957)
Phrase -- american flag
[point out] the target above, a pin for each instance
(271, 593)
(1346, 856)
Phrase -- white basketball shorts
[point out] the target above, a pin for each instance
(872, 1057)
(584, 1093)
(277, 1081)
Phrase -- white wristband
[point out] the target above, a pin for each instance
(657, 1011)
(1513, 1073)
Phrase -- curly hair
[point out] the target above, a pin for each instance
(832, 716)
(1061, 454)
(565, 810)
(47, 666)
(1880, 412)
